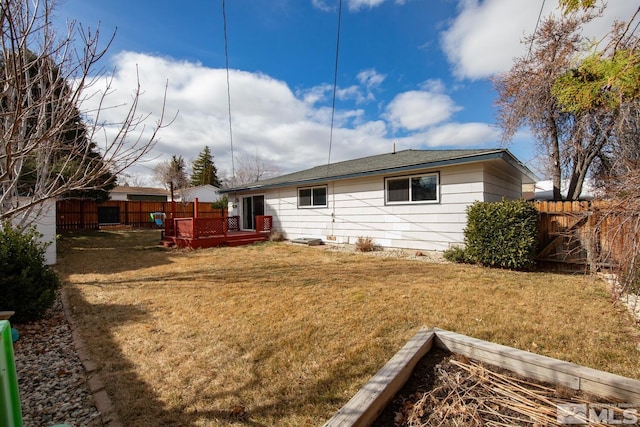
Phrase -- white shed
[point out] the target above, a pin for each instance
(43, 218)
(204, 193)
(413, 199)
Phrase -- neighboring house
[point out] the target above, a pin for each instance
(543, 190)
(204, 193)
(143, 194)
(414, 199)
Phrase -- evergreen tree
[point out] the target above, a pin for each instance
(47, 149)
(68, 150)
(204, 171)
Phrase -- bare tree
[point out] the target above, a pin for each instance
(249, 169)
(525, 92)
(44, 82)
(608, 82)
(172, 175)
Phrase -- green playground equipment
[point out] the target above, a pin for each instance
(10, 412)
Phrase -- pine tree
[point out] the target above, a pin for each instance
(68, 150)
(204, 171)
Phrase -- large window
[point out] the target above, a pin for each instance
(312, 197)
(412, 189)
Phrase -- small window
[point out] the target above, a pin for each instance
(313, 197)
(412, 189)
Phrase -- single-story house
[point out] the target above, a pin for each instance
(142, 194)
(413, 199)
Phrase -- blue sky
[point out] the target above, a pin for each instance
(411, 72)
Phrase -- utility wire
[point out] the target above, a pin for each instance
(535, 29)
(226, 59)
(335, 85)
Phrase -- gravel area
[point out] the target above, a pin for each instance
(413, 254)
(51, 378)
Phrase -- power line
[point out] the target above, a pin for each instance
(535, 29)
(335, 85)
(226, 59)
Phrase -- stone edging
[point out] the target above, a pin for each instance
(96, 386)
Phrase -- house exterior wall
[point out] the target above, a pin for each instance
(501, 181)
(356, 207)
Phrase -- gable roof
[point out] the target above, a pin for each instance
(401, 161)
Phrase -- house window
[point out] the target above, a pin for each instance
(312, 197)
(412, 189)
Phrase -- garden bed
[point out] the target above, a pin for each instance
(453, 382)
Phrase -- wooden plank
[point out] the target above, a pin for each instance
(542, 368)
(309, 241)
(373, 397)
(524, 363)
(365, 407)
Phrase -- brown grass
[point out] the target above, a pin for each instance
(279, 334)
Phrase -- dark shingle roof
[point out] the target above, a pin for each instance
(405, 160)
(125, 189)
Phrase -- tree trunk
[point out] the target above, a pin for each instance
(555, 160)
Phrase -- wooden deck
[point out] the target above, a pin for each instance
(198, 233)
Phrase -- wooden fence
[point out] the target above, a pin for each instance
(585, 235)
(76, 214)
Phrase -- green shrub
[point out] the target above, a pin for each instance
(221, 203)
(456, 254)
(27, 285)
(502, 234)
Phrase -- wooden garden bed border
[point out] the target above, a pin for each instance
(367, 404)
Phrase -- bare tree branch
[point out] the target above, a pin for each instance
(45, 80)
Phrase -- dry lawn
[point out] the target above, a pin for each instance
(279, 334)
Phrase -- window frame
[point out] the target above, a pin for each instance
(311, 189)
(409, 179)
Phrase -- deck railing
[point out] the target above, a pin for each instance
(193, 228)
(263, 223)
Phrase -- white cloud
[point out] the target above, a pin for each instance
(287, 129)
(290, 130)
(459, 135)
(486, 36)
(322, 5)
(370, 78)
(353, 5)
(418, 109)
